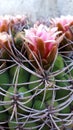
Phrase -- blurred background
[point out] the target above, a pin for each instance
(37, 9)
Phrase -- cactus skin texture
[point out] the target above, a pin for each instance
(36, 74)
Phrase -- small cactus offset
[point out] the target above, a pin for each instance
(36, 74)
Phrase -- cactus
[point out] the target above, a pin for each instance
(36, 71)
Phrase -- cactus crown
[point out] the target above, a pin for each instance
(36, 72)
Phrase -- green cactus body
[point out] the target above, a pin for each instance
(71, 72)
(18, 43)
(20, 95)
(8, 97)
(34, 78)
(62, 83)
(66, 110)
(59, 63)
(38, 106)
(45, 128)
(51, 104)
(31, 126)
(5, 55)
(61, 78)
(61, 94)
(48, 93)
(3, 115)
(13, 125)
(23, 75)
(4, 79)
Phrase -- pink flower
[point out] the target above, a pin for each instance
(4, 38)
(64, 21)
(19, 18)
(42, 40)
(3, 24)
(7, 21)
(64, 24)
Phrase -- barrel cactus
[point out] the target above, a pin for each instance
(36, 71)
